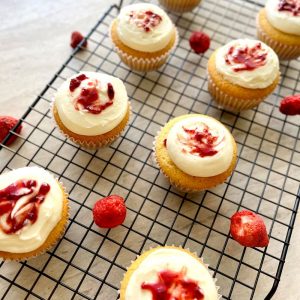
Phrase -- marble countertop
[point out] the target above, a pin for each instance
(34, 42)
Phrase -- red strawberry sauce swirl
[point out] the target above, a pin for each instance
(174, 285)
(145, 19)
(20, 211)
(292, 6)
(246, 58)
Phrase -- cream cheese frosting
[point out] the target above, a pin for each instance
(173, 260)
(83, 122)
(284, 20)
(32, 236)
(144, 27)
(185, 150)
(256, 55)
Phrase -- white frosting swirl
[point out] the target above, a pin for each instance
(135, 36)
(83, 122)
(284, 21)
(173, 260)
(194, 164)
(258, 78)
(32, 236)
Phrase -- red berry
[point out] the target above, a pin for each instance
(76, 38)
(249, 229)
(199, 42)
(290, 105)
(7, 123)
(109, 212)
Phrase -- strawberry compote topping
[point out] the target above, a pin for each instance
(145, 19)
(21, 211)
(174, 286)
(89, 98)
(246, 58)
(199, 142)
(292, 6)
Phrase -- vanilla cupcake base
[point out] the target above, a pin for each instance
(138, 60)
(231, 96)
(180, 6)
(135, 264)
(54, 236)
(179, 179)
(287, 46)
(91, 142)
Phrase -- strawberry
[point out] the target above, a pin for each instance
(290, 105)
(109, 212)
(249, 229)
(7, 123)
(76, 38)
(199, 42)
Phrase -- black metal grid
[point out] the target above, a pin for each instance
(89, 263)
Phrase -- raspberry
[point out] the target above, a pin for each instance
(249, 229)
(109, 212)
(199, 42)
(7, 123)
(76, 38)
(290, 105)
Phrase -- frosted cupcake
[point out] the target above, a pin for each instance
(195, 152)
(278, 25)
(33, 212)
(143, 36)
(91, 109)
(242, 74)
(168, 273)
(180, 6)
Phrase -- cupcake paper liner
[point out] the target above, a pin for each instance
(144, 64)
(180, 6)
(229, 102)
(89, 144)
(194, 254)
(285, 52)
(51, 245)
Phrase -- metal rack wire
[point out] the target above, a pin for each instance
(89, 263)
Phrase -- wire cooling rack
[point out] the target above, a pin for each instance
(89, 263)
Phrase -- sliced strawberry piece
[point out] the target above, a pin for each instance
(249, 229)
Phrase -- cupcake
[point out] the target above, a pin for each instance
(143, 36)
(33, 212)
(180, 6)
(91, 109)
(195, 152)
(278, 25)
(168, 273)
(242, 74)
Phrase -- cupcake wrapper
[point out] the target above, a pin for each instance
(180, 6)
(145, 64)
(227, 101)
(85, 144)
(66, 195)
(201, 259)
(285, 52)
(180, 188)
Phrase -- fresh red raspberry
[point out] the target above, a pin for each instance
(249, 229)
(7, 123)
(109, 212)
(290, 105)
(199, 42)
(76, 38)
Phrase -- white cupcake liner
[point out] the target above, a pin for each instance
(229, 102)
(144, 64)
(201, 260)
(180, 6)
(51, 245)
(285, 52)
(89, 144)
